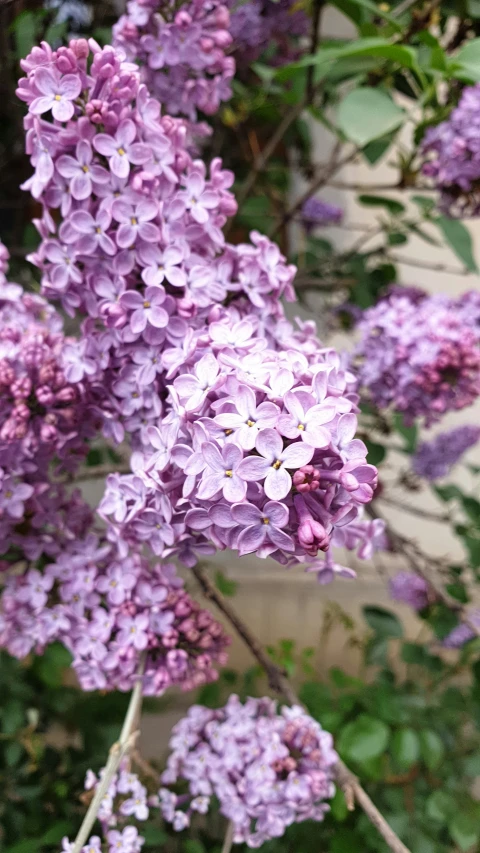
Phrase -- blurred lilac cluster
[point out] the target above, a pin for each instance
(434, 459)
(316, 213)
(183, 52)
(452, 156)
(268, 768)
(419, 354)
(409, 588)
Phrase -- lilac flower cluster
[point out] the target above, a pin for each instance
(45, 418)
(108, 607)
(275, 26)
(419, 356)
(452, 156)
(463, 633)
(316, 213)
(434, 459)
(126, 798)
(409, 588)
(183, 52)
(243, 427)
(268, 768)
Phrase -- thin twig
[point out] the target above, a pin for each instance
(117, 752)
(426, 265)
(228, 840)
(414, 510)
(261, 161)
(330, 169)
(416, 558)
(280, 684)
(99, 472)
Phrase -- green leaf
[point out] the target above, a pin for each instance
(473, 8)
(338, 806)
(425, 204)
(472, 509)
(459, 239)
(382, 621)
(408, 433)
(440, 806)
(26, 846)
(432, 749)
(366, 114)
(397, 238)
(51, 666)
(12, 716)
(448, 493)
(56, 832)
(193, 846)
(465, 830)
(405, 747)
(13, 753)
(25, 31)
(466, 64)
(154, 836)
(382, 201)
(363, 739)
(376, 452)
(224, 584)
(374, 151)
(55, 33)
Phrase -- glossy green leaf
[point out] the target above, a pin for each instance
(392, 205)
(432, 749)
(364, 739)
(382, 621)
(225, 585)
(459, 239)
(405, 747)
(366, 114)
(466, 64)
(465, 830)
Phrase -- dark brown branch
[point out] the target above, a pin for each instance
(279, 682)
(426, 265)
(318, 6)
(414, 510)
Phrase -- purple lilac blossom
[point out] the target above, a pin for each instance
(419, 356)
(107, 606)
(409, 588)
(316, 213)
(179, 366)
(452, 156)
(183, 52)
(434, 459)
(126, 797)
(276, 26)
(269, 768)
(463, 633)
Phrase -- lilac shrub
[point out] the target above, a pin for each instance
(419, 355)
(229, 408)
